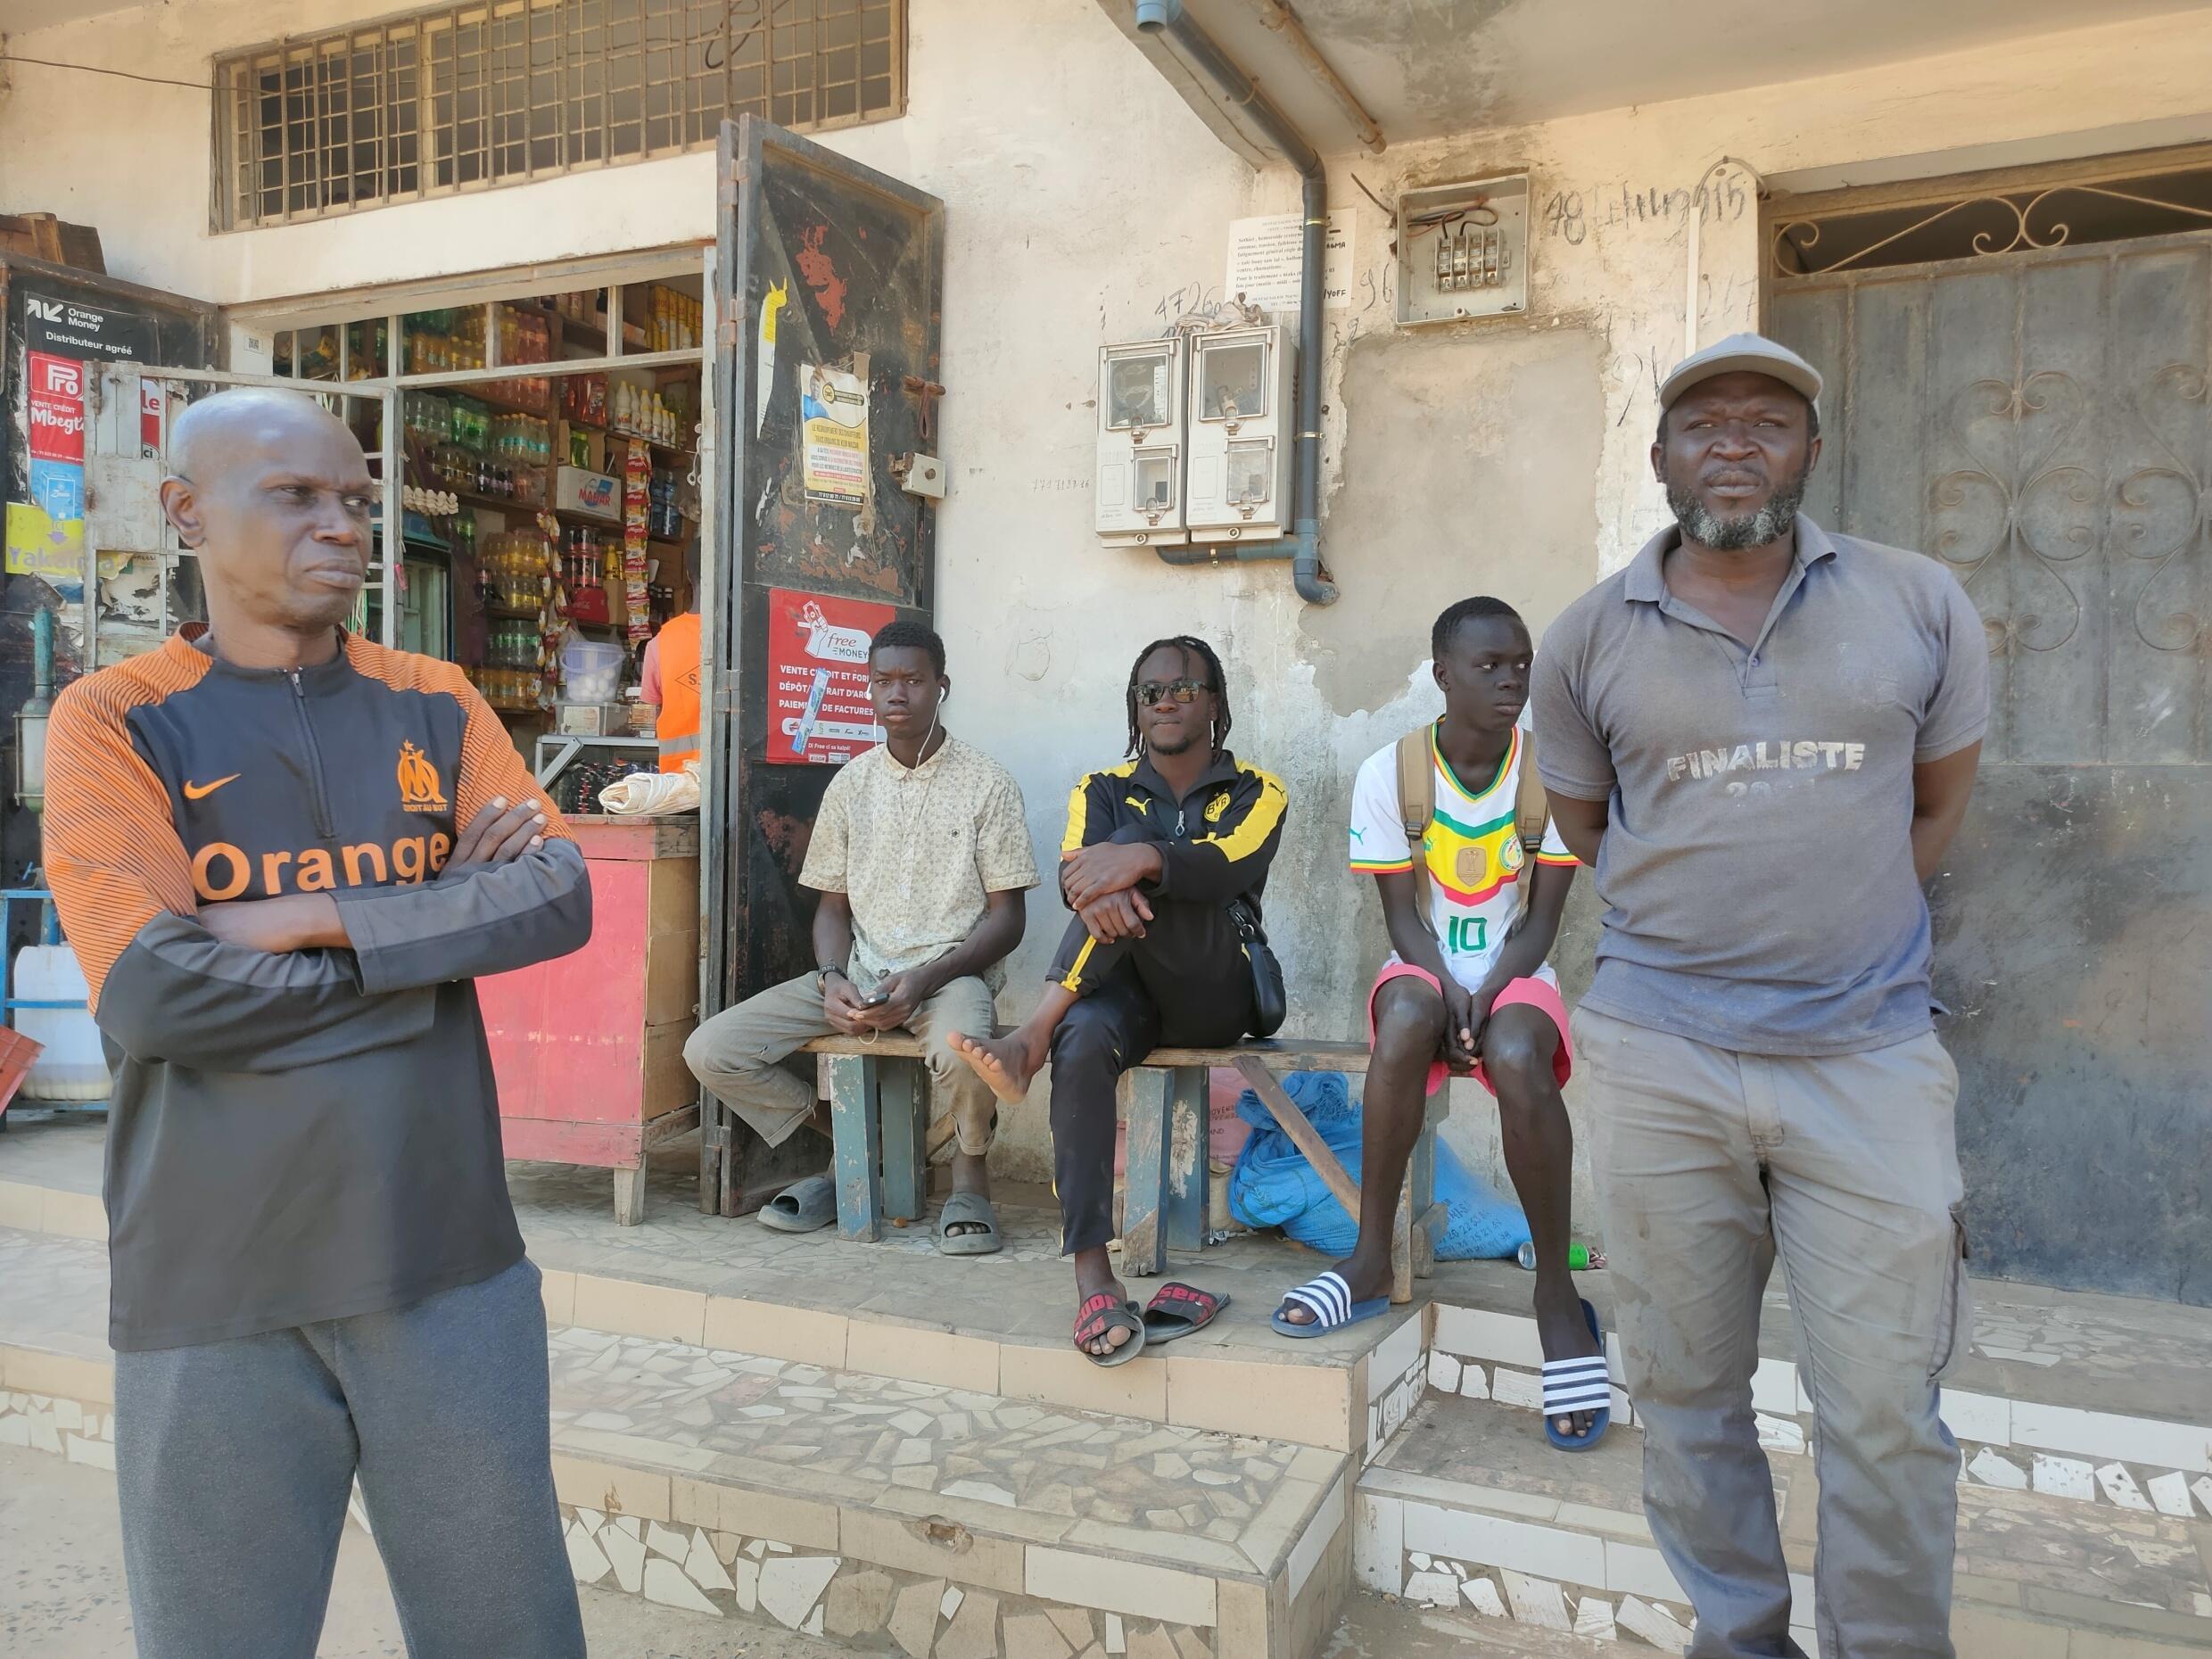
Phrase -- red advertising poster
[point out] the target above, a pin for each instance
(818, 708)
(151, 403)
(57, 407)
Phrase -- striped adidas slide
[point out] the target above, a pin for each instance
(1573, 1385)
(1329, 1299)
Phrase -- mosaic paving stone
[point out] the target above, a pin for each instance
(891, 1434)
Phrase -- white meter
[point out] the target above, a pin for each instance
(1140, 444)
(1239, 434)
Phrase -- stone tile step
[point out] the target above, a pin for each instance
(1470, 1491)
(944, 1520)
(2105, 1378)
(2126, 1465)
(1377, 1627)
(896, 1307)
(1222, 1540)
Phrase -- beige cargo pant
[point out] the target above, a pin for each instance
(738, 1056)
(1709, 1164)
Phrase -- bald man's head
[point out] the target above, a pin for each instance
(274, 492)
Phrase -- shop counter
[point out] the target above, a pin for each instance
(589, 1048)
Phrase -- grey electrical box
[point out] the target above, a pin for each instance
(1463, 249)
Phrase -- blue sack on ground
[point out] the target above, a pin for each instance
(1274, 1186)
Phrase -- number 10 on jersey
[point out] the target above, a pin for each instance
(1467, 936)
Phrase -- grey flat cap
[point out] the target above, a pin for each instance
(1755, 353)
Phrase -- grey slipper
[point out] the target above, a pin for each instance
(804, 1207)
(973, 1209)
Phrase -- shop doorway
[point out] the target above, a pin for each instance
(2017, 373)
(829, 277)
(139, 581)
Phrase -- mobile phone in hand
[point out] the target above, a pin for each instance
(875, 1000)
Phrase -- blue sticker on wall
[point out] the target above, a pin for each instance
(58, 487)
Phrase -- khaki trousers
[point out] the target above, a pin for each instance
(739, 1054)
(1711, 1163)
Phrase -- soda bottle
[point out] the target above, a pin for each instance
(1578, 1258)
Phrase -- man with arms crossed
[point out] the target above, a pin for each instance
(1466, 988)
(1163, 855)
(921, 855)
(282, 853)
(1763, 735)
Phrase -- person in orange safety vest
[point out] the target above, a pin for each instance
(670, 677)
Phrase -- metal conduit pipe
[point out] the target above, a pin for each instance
(1200, 53)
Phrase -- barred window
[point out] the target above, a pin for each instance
(467, 96)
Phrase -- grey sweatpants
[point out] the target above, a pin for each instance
(234, 1461)
(1709, 1164)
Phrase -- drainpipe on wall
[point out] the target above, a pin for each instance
(1200, 53)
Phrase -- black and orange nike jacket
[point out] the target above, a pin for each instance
(1215, 844)
(311, 1135)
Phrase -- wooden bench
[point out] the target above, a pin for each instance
(879, 1113)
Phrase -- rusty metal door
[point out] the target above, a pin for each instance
(2041, 423)
(827, 293)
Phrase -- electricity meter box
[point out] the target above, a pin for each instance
(1463, 249)
(1239, 478)
(1140, 444)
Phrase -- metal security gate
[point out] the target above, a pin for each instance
(827, 300)
(2040, 419)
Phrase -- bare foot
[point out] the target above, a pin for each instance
(1565, 1334)
(1002, 1062)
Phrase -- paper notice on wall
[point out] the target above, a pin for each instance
(38, 544)
(1264, 261)
(833, 423)
(818, 709)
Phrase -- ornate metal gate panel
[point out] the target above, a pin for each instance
(2041, 421)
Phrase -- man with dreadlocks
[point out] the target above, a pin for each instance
(1161, 854)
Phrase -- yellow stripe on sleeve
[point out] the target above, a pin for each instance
(1257, 824)
(1079, 814)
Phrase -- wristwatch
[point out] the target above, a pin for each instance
(822, 976)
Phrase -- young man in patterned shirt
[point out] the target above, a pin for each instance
(921, 855)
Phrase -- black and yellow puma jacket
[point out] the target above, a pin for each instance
(315, 1134)
(1215, 844)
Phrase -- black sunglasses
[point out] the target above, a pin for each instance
(1150, 691)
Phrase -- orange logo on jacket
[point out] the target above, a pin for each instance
(222, 869)
(419, 789)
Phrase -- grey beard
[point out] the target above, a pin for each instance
(1701, 525)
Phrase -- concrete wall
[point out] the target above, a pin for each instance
(1083, 196)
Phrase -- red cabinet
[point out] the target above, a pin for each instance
(589, 1049)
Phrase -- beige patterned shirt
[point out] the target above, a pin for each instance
(916, 851)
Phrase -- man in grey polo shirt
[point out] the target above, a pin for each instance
(1762, 735)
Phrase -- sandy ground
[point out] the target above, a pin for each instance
(62, 1594)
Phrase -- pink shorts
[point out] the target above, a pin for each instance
(1538, 994)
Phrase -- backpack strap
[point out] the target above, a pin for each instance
(1417, 807)
(1530, 811)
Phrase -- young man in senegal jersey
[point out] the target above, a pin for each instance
(1466, 987)
(284, 854)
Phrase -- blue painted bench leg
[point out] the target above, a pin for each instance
(1143, 1242)
(1189, 1155)
(905, 1096)
(855, 1083)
